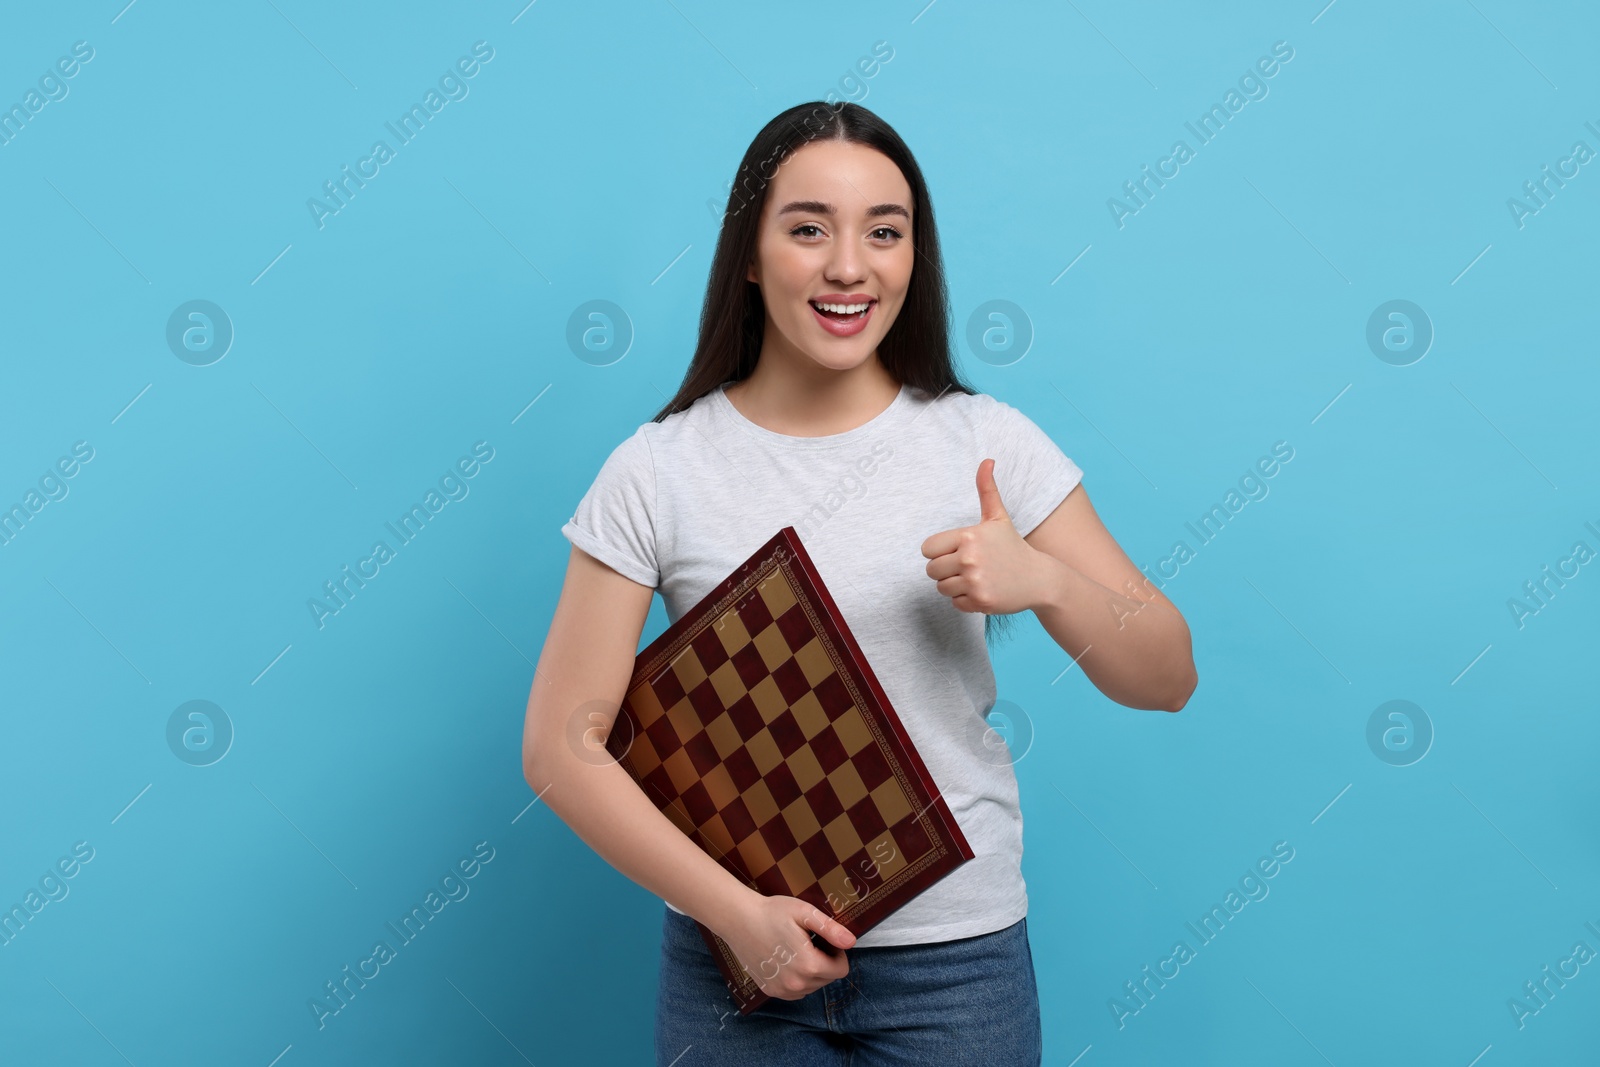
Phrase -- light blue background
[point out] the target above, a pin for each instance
(1228, 314)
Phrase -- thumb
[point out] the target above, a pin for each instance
(989, 493)
(835, 933)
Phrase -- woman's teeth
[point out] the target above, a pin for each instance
(845, 311)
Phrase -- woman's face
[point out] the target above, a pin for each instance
(835, 230)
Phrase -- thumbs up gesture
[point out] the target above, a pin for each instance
(986, 568)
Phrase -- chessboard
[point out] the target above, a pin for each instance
(758, 728)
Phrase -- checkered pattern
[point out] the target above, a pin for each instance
(751, 741)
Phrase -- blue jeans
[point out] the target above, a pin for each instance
(943, 1004)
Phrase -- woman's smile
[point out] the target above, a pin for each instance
(843, 316)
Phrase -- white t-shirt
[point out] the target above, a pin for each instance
(680, 503)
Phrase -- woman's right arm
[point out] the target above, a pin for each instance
(584, 668)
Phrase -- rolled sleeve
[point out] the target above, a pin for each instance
(1032, 472)
(615, 522)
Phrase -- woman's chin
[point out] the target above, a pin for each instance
(836, 361)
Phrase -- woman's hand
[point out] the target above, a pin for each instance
(772, 938)
(986, 568)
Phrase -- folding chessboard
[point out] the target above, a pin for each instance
(756, 725)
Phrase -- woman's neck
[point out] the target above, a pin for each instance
(815, 403)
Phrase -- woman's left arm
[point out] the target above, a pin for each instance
(1068, 571)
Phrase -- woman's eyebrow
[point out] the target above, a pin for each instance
(818, 207)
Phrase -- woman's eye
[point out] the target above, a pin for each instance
(811, 229)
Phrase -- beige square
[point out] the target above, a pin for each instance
(719, 785)
(796, 871)
(726, 681)
(853, 731)
(716, 832)
(773, 646)
(688, 668)
(646, 704)
(886, 856)
(802, 822)
(891, 802)
(724, 735)
(842, 835)
(763, 807)
(684, 719)
(807, 771)
(842, 890)
(764, 750)
(642, 755)
(776, 591)
(848, 784)
(814, 661)
(768, 699)
(809, 714)
(680, 771)
(731, 629)
(757, 856)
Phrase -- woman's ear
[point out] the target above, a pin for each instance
(750, 274)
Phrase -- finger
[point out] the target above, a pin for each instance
(824, 966)
(989, 502)
(942, 544)
(836, 933)
(964, 602)
(832, 968)
(947, 566)
(958, 586)
(824, 946)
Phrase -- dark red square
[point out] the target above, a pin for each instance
(861, 868)
(817, 897)
(751, 667)
(833, 696)
(780, 782)
(779, 838)
(705, 700)
(707, 644)
(742, 769)
(819, 853)
(746, 717)
(795, 625)
(699, 804)
(824, 803)
(772, 882)
(753, 611)
(702, 753)
(737, 818)
(659, 785)
(667, 688)
(786, 732)
(791, 681)
(663, 737)
(829, 749)
(867, 819)
(871, 766)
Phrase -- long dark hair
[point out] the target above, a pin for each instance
(915, 351)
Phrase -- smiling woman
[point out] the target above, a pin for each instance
(824, 349)
(840, 265)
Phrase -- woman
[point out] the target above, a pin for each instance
(822, 395)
